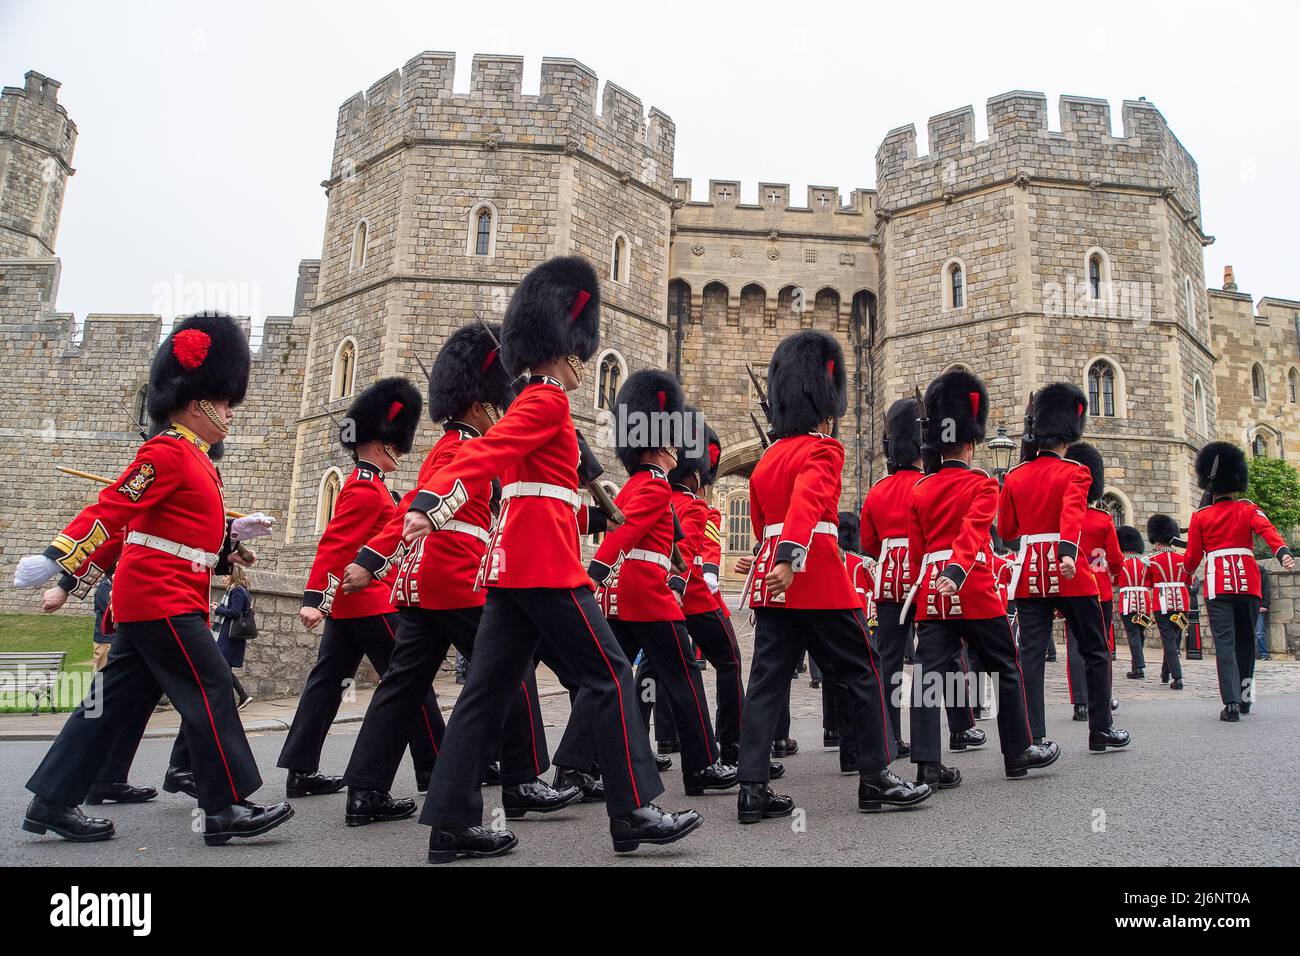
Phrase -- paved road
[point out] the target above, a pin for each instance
(1192, 790)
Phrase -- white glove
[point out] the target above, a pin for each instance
(251, 526)
(34, 570)
(711, 580)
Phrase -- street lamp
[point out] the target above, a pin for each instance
(1002, 448)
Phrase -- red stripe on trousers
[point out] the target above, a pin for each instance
(212, 722)
(622, 717)
(424, 711)
(528, 706)
(884, 714)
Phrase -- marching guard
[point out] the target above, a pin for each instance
(440, 605)
(798, 586)
(538, 590)
(1221, 535)
(378, 429)
(1134, 598)
(168, 506)
(950, 559)
(1044, 501)
(1170, 585)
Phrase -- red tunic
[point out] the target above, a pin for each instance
(1003, 566)
(535, 451)
(1043, 503)
(1134, 594)
(1100, 546)
(632, 563)
(440, 570)
(884, 532)
(1223, 533)
(712, 554)
(172, 492)
(693, 515)
(1169, 582)
(948, 534)
(794, 495)
(365, 506)
(862, 581)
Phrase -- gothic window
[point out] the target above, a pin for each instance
(618, 263)
(1097, 273)
(753, 300)
(360, 238)
(481, 237)
(1293, 386)
(1259, 446)
(1258, 385)
(1189, 300)
(1101, 389)
(1094, 276)
(740, 533)
(330, 486)
(608, 380)
(1113, 505)
(483, 233)
(826, 309)
(715, 304)
(345, 370)
(954, 285)
(1198, 401)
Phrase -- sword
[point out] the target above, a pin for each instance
(134, 421)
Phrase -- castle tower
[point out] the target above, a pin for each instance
(1039, 256)
(36, 143)
(440, 202)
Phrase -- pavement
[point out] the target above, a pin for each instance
(1190, 791)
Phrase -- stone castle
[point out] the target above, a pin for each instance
(1034, 255)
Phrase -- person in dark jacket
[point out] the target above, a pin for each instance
(103, 642)
(228, 612)
(1261, 622)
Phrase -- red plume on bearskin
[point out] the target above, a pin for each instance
(642, 399)
(388, 411)
(806, 383)
(206, 356)
(554, 312)
(957, 406)
(465, 371)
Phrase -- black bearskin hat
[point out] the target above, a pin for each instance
(1162, 529)
(468, 369)
(957, 406)
(1087, 455)
(850, 532)
(644, 395)
(806, 383)
(1060, 412)
(1130, 540)
(691, 464)
(387, 411)
(1231, 474)
(205, 357)
(902, 434)
(713, 445)
(554, 312)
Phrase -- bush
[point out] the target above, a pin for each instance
(1275, 487)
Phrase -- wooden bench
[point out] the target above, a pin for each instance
(35, 673)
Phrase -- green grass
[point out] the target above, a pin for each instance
(45, 632)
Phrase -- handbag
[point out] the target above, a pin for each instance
(244, 627)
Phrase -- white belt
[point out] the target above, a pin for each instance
(653, 557)
(1025, 541)
(464, 527)
(193, 555)
(1211, 586)
(1132, 587)
(1166, 584)
(933, 557)
(821, 527)
(538, 489)
(886, 545)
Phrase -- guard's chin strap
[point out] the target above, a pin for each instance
(491, 412)
(211, 412)
(575, 363)
(392, 453)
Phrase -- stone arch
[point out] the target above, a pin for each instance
(713, 312)
(739, 458)
(1095, 373)
(826, 309)
(753, 305)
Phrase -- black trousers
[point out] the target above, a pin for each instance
(1136, 638)
(839, 641)
(1083, 616)
(176, 656)
(341, 648)
(666, 664)
(1171, 637)
(568, 627)
(937, 643)
(424, 638)
(714, 635)
(893, 637)
(1232, 624)
(1075, 681)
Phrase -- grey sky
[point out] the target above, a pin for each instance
(205, 128)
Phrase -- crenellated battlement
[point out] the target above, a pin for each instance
(418, 102)
(775, 197)
(1021, 144)
(33, 113)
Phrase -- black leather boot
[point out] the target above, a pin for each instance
(592, 788)
(960, 740)
(1081, 712)
(1034, 757)
(1244, 707)
(663, 763)
(775, 771)
(180, 781)
(787, 747)
(242, 820)
(758, 801)
(311, 784)
(1112, 737)
(937, 776)
(1231, 713)
(1136, 675)
(890, 790)
(649, 824)
(537, 796)
(68, 822)
(119, 793)
(1178, 685)
(473, 842)
(716, 776)
(375, 806)
(422, 778)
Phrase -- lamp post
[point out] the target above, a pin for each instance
(1002, 448)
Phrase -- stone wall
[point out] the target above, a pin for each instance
(37, 140)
